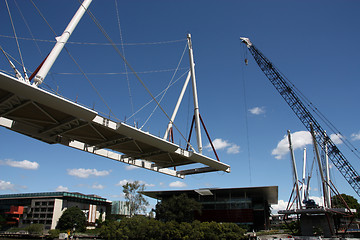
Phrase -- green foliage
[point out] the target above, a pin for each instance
(351, 202)
(35, 229)
(140, 227)
(72, 217)
(54, 233)
(177, 208)
(135, 200)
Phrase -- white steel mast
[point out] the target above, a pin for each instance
(303, 194)
(326, 199)
(60, 43)
(196, 103)
(177, 105)
(327, 168)
(298, 198)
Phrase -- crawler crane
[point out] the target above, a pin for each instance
(299, 108)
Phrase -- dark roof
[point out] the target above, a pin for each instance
(52, 195)
(270, 193)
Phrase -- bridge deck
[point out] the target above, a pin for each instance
(52, 119)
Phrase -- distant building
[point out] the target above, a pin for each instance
(250, 206)
(120, 208)
(46, 208)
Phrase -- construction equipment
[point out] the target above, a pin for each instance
(287, 92)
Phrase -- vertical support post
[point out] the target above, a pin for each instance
(303, 194)
(298, 200)
(320, 166)
(196, 104)
(327, 171)
(60, 43)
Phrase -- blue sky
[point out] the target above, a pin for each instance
(313, 43)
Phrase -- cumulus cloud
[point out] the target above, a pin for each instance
(97, 186)
(233, 149)
(125, 181)
(280, 206)
(336, 138)
(257, 110)
(25, 164)
(85, 173)
(62, 189)
(299, 140)
(220, 144)
(131, 167)
(355, 136)
(6, 185)
(177, 184)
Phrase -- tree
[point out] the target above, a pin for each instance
(72, 218)
(351, 202)
(134, 199)
(179, 208)
(35, 229)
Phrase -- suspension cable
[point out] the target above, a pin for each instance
(134, 72)
(172, 78)
(17, 41)
(246, 111)
(123, 52)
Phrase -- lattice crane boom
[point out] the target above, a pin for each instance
(291, 98)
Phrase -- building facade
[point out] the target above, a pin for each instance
(249, 206)
(120, 208)
(46, 208)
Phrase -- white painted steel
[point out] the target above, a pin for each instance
(327, 168)
(177, 105)
(295, 176)
(61, 41)
(304, 177)
(323, 180)
(196, 103)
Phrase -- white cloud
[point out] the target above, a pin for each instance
(355, 136)
(177, 184)
(233, 149)
(131, 167)
(336, 138)
(97, 186)
(280, 206)
(62, 189)
(25, 164)
(299, 140)
(220, 144)
(6, 185)
(125, 181)
(257, 110)
(85, 173)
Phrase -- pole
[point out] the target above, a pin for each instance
(298, 200)
(177, 105)
(196, 104)
(60, 43)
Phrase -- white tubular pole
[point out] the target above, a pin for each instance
(304, 177)
(327, 172)
(61, 41)
(298, 198)
(177, 105)
(196, 104)
(326, 200)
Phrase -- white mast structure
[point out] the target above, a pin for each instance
(327, 171)
(195, 97)
(297, 191)
(323, 180)
(60, 43)
(304, 194)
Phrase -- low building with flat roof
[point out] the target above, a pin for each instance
(46, 208)
(250, 206)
